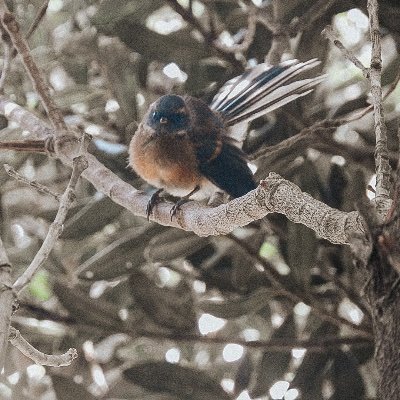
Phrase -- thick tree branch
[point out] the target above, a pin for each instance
(60, 360)
(274, 194)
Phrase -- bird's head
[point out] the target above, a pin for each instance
(169, 115)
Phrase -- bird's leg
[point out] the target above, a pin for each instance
(183, 200)
(154, 199)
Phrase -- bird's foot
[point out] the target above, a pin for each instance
(154, 199)
(182, 201)
(177, 206)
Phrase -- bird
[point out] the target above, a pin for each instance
(184, 146)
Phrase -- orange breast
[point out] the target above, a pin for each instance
(164, 162)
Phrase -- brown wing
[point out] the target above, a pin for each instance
(219, 160)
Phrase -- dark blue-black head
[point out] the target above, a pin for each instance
(169, 115)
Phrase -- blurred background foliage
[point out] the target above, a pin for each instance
(136, 298)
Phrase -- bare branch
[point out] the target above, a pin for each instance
(354, 116)
(310, 132)
(248, 39)
(38, 186)
(25, 119)
(61, 360)
(6, 63)
(39, 16)
(11, 25)
(383, 169)
(347, 291)
(55, 230)
(330, 34)
(188, 16)
(274, 194)
(6, 301)
(32, 146)
(281, 34)
(316, 11)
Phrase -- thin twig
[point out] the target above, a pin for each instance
(280, 33)
(356, 115)
(319, 127)
(330, 34)
(32, 146)
(61, 360)
(316, 11)
(39, 16)
(280, 44)
(38, 186)
(6, 63)
(55, 230)
(383, 169)
(347, 291)
(11, 25)
(188, 16)
(248, 38)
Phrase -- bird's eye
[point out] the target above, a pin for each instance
(163, 120)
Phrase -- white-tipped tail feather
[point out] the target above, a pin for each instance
(263, 89)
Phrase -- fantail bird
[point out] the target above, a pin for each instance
(183, 146)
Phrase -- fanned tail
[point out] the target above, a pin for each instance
(263, 89)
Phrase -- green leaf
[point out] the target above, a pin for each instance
(80, 94)
(268, 250)
(39, 286)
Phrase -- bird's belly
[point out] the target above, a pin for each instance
(178, 177)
